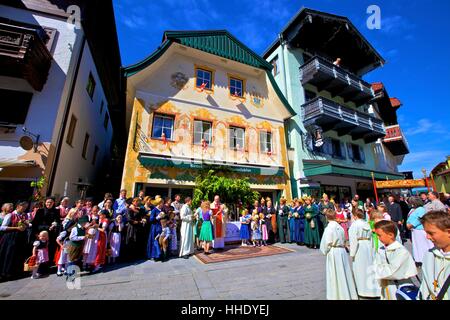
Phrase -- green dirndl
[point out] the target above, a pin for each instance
(206, 233)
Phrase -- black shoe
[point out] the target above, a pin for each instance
(185, 257)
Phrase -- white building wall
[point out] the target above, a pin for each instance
(72, 167)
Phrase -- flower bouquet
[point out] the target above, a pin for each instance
(308, 216)
(269, 216)
(296, 215)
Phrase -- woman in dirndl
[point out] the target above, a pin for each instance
(206, 233)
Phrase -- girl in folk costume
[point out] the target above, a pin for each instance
(263, 228)
(375, 216)
(270, 214)
(393, 263)
(40, 253)
(342, 218)
(187, 229)
(91, 243)
(244, 232)
(115, 237)
(312, 238)
(384, 211)
(198, 227)
(153, 249)
(163, 238)
(100, 258)
(13, 248)
(299, 223)
(218, 211)
(436, 262)
(63, 208)
(361, 253)
(256, 230)
(173, 235)
(340, 284)
(62, 240)
(263, 205)
(206, 233)
(420, 243)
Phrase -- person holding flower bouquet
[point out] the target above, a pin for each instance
(263, 227)
(198, 226)
(256, 231)
(312, 237)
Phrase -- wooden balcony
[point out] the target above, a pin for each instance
(330, 115)
(24, 54)
(326, 76)
(395, 141)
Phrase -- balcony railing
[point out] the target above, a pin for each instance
(23, 54)
(336, 80)
(395, 141)
(330, 115)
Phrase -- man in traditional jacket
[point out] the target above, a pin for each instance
(187, 229)
(282, 221)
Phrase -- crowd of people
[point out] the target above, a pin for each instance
(372, 239)
(92, 236)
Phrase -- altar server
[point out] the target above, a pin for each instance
(361, 252)
(340, 283)
(394, 264)
(187, 229)
(436, 262)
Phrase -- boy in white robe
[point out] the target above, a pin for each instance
(436, 262)
(361, 252)
(394, 264)
(340, 283)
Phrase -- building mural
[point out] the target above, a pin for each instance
(191, 105)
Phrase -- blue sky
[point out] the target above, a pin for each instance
(414, 39)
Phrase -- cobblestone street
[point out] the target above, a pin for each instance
(297, 275)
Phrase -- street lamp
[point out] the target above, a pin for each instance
(424, 171)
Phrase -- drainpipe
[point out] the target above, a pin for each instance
(284, 79)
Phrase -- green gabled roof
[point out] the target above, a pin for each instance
(218, 42)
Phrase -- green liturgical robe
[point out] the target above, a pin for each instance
(312, 237)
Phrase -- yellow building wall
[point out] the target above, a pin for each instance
(168, 87)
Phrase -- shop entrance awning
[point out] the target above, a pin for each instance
(9, 157)
(319, 168)
(152, 160)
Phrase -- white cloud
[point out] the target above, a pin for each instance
(426, 126)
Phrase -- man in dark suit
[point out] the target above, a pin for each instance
(395, 211)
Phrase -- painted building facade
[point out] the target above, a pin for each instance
(204, 99)
(54, 83)
(333, 139)
(441, 176)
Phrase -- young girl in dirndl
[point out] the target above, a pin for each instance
(256, 231)
(40, 252)
(115, 235)
(244, 232)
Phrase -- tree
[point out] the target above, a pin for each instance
(232, 191)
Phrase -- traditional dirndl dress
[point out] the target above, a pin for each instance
(244, 231)
(206, 233)
(173, 239)
(256, 232)
(42, 251)
(264, 233)
(115, 240)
